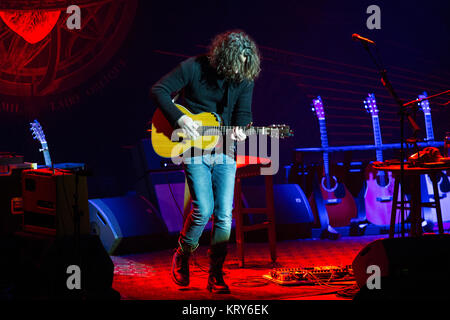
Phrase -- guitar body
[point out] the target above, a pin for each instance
(378, 197)
(336, 208)
(168, 142)
(340, 204)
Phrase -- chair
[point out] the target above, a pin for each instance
(415, 204)
(250, 166)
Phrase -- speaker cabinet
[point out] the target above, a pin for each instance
(169, 189)
(127, 224)
(293, 215)
(11, 201)
(49, 199)
(407, 266)
(39, 267)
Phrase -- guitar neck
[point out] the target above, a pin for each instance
(429, 127)
(377, 136)
(324, 140)
(222, 130)
(47, 159)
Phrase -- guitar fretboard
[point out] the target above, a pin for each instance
(324, 140)
(429, 127)
(221, 130)
(47, 159)
(377, 136)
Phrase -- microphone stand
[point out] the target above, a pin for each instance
(402, 112)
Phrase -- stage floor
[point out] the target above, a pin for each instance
(146, 276)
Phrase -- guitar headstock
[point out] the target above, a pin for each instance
(280, 131)
(424, 104)
(371, 105)
(37, 131)
(318, 108)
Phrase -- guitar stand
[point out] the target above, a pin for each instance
(330, 234)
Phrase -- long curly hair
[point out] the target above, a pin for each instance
(224, 53)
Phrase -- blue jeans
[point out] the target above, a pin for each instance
(211, 183)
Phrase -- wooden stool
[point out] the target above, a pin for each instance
(248, 166)
(415, 204)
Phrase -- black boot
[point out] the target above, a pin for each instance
(217, 254)
(180, 265)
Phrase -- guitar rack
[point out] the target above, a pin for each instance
(302, 170)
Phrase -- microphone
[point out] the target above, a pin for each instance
(357, 37)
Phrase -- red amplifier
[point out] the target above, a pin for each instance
(11, 204)
(49, 201)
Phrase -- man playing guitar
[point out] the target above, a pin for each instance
(221, 82)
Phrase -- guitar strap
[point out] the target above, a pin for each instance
(231, 149)
(227, 100)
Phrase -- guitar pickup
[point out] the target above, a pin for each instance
(384, 199)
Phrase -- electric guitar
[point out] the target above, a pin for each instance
(380, 185)
(169, 143)
(339, 203)
(443, 183)
(38, 134)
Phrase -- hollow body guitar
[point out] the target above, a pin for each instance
(338, 202)
(443, 181)
(169, 143)
(380, 185)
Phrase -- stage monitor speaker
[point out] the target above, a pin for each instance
(408, 267)
(167, 189)
(146, 161)
(38, 268)
(127, 224)
(293, 214)
(145, 158)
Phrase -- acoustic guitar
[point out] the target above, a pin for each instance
(443, 183)
(169, 143)
(380, 185)
(339, 203)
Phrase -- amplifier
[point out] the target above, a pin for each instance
(49, 197)
(11, 204)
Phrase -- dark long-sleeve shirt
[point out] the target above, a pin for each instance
(204, 91)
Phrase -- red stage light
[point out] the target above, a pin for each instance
(43, 58)
(33, 26)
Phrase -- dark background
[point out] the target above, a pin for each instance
(307, 51)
